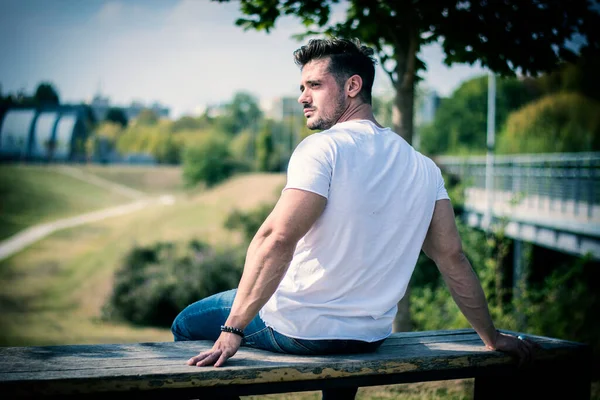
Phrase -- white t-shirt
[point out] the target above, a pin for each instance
(353, 266)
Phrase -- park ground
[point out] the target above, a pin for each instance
(54, 290)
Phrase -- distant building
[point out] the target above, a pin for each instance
(57, 133)
(136, 107)
(100, 106)
(427, 104)
(284, 107)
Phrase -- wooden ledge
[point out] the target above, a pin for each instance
(155, 370)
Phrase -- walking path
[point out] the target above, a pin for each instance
(101, 182)
(21, 240)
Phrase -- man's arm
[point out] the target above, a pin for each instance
(267, 261)
(444, 247)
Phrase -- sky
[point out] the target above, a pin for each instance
(184, 54)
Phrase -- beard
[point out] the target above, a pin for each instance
(326, 121)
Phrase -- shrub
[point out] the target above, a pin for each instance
(248, 222)
(156, 282)
(208, 161)
(562, 122)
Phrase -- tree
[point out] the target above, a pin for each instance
(528, 36)
(460, 122)
(267, 156)
(242, 113)
(188, 123)
(508, 36)
(561, 122)
(581, 77)
(147, 117)
(208, 161)
(116, 115)
(46, 95)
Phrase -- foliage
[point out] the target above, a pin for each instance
(563, 122)
(460, 123)
(432, 306)
(109, 129)
(565, 305)
(188, 123)
(156, 282)
(248, 222)
(268, 158)
(208, 161)
(560, 300)
(397, 31)
(116, 115)
(243, 112)
(580, 76)
(153, 139)
(242, 148)
(383, 110)
(46, 95)
(146, 117)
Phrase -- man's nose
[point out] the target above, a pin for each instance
(303, 99)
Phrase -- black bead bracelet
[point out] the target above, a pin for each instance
(231, 329)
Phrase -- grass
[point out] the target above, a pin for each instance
(53, 291)
(448, 390)
(152, 180)
(35, 194)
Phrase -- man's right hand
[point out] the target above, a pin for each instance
(524, 348)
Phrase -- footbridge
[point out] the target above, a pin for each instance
(551, 200)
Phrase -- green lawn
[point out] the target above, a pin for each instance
(34, 194)
(53, 291)
(152, 180)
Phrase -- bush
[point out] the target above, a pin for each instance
(156, 282)
(208, 161)
(563, 306)
(248, 222)
(562, 122)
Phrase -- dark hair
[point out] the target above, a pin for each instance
(347, 58)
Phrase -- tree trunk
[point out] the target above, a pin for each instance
(402, 322)
(403, 112)
(402, 117)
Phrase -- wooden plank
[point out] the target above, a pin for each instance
(160, 366)
(28, 358)
(63, 358)
(70, 358)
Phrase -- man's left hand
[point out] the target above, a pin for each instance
(225, 347)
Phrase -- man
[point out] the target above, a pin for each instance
(325, 271)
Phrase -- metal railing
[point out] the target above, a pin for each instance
(557, 182)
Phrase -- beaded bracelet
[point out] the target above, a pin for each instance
(231, 329)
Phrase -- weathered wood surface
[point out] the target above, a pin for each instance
(148, 367)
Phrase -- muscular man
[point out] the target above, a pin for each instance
(326, 269)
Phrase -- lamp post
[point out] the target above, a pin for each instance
(489, 167)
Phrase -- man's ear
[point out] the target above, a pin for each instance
(353, 85)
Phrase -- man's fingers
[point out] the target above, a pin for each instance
(199, 357)
(532, 347)
(224, 357)
(526, 351)
(521, 354)
(210, 360)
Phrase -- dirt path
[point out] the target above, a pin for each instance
(21, 240)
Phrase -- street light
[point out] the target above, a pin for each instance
(489, 168)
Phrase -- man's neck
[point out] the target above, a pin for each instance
(356, 111)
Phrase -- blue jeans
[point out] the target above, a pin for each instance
(202, 320)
